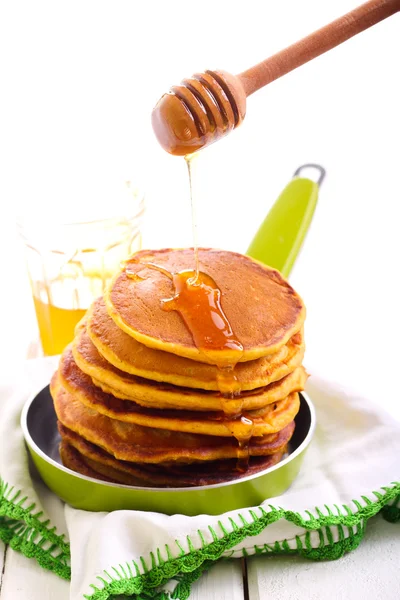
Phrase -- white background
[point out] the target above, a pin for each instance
(78, 81)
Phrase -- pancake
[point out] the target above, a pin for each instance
(266, 420)
(264, 311)
(211, 401)
(97, 463)
(126, 354)
(135, 443)
(162, 395)
(71, 459)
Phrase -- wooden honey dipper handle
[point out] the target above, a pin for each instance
(317, 43)
(209, 105)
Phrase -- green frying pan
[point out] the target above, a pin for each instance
(39, 425)
(277, 244)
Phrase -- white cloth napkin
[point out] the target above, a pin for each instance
(350, 472)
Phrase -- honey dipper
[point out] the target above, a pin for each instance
(209, 105)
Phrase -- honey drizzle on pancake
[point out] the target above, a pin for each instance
(240, 426)
(197, 299)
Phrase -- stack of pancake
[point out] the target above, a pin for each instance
(139, 403)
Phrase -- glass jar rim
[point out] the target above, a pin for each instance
(130, 207)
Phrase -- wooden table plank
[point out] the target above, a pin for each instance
(369, 572)
(23, 579)
(224, 581)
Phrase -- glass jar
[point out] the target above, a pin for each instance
(71, 263)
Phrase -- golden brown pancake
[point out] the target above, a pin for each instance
(211, 401)
(139, 403)
(270, 418)
(71, 459)
(96, 462)
(135, 443)
(163, 395)
(126, 354)
(263, 310)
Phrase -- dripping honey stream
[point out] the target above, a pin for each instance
(197, 298)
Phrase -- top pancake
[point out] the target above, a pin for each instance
(263, 310)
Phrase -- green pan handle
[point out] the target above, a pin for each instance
(280, 237)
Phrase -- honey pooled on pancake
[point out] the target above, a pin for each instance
(263, 310)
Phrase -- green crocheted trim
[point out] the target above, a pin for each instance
(391, 512)
(23, 530)
(187, 567)
(137, 589)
